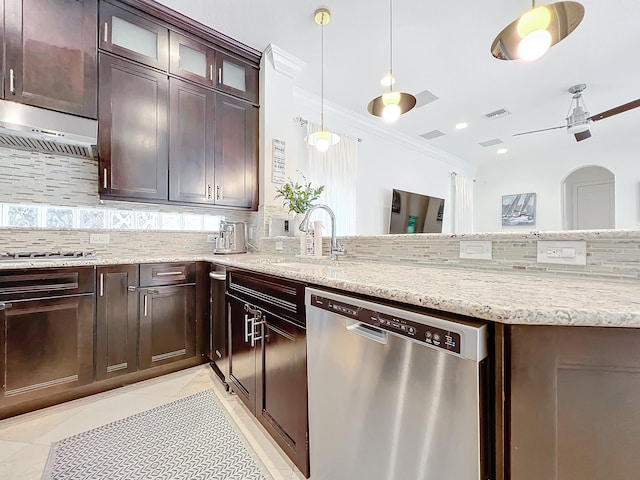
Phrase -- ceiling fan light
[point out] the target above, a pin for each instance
(391, 98)
(538, 18)
(534, 45)
(578, 128)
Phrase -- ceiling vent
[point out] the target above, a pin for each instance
(490, 143)
(432, 134)
(424, 98)
(503, 112)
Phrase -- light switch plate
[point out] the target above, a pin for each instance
(565, 252)
(99, 238)
(476, 249)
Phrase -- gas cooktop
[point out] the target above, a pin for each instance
(30, 256)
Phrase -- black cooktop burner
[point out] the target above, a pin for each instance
(25, 256)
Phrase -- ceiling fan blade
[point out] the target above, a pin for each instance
(582, 135)
(536, 131)
(616, 110)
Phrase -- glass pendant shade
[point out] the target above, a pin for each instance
(537, 30)
(323, 139)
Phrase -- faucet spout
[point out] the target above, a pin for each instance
(335, 248)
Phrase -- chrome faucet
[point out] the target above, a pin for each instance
(335, 249)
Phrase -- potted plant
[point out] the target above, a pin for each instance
(298, 197)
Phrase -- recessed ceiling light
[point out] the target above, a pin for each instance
(500, 151)
(461, 125)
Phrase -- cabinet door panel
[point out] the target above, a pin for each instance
(242, 356)
(236, 77)
(51, 53)
(236, 153)
(132, 36)
(47, 347)
(573, 403)
(282, 395)
(191, 59)
(167, 325)
(116, 321)
(132, 130)
(191, 137)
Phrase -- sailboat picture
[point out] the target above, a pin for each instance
(519, 209)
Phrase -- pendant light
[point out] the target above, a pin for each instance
(538, 29)
(390, 105)
(323, 139)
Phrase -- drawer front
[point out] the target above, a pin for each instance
(153, 274)
(45, 282)
(277, 295)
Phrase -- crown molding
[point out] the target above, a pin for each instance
(374, 126)
(283, 62)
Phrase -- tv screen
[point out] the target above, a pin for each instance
(415, 213)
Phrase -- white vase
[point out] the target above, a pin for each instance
(297, 220)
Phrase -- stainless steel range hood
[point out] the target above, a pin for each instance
(36, 129)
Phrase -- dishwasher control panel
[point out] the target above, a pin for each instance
(422, 332)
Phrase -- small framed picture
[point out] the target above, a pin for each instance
(519, 209)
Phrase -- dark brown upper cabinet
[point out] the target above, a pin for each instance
(236, 77)
(51, 54)
(191, 59)
(132, 36)
(132, 130)
(236, 157)
(191, 177)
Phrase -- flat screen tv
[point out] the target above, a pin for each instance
(415, 213)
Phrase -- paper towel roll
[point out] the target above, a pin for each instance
(317, 240)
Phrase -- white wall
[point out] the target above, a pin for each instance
(544, 176)
(386, 161)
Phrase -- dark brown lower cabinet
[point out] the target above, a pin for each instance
(167, 324)
(116, 321)
(268, 357)
(573, 403)
(46, 333)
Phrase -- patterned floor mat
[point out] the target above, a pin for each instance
(192, 438)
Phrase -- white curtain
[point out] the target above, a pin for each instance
(337, 170)
(462, 203)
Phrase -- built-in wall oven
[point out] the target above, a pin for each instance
(394, 394)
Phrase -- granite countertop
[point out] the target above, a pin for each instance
(505, 297)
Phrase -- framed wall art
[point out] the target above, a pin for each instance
(519, 209)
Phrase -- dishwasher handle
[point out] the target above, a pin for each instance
(367, 331)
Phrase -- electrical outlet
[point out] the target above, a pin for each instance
(252, 232)
(566, 252)
(99, 238)
(211, 238)
(279, 246)
(476, 249)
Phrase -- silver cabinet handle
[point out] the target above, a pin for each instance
(246, 327)
(4, 306)
(164, 274)
(106, 32)
(220, 75)
(208, 191)
(12, 81)
(132, 288)
(146, 302)
(104, 179)
(218, 276)
(217, 192)
(211, 72)
(152, 291)
(102, 284)
(261, 323)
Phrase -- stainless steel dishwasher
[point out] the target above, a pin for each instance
(394, 394)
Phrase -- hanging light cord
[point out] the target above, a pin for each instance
(322, 75)
(390, 45)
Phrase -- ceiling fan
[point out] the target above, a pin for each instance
(578, 119)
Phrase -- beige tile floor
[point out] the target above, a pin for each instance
(25, 439)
